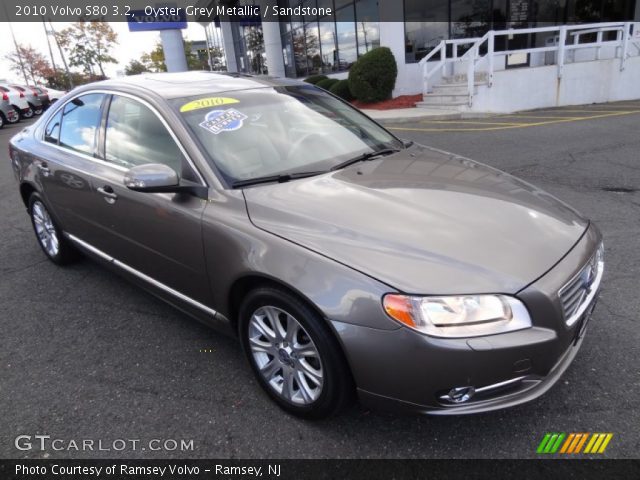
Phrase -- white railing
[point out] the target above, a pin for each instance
(560, 46)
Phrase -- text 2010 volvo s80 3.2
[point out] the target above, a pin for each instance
(346, 261)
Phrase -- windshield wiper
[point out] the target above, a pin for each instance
(365, 156)
(280, 178)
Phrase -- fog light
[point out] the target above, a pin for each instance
(459, 394)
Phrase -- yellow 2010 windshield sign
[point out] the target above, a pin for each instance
(207, 103)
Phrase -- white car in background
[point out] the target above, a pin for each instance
(54, 94)
(17, 100)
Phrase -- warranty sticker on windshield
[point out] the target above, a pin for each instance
(218, 121)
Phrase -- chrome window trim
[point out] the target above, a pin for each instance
(137, 99)
(140, 275)
(87, 157)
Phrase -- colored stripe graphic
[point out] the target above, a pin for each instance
(598, 443)
(573, 443)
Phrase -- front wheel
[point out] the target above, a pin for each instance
(49, 236)
(293, 354)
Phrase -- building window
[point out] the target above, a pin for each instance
(313, 45)
(427, 22)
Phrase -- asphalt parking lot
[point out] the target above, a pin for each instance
(85, 355)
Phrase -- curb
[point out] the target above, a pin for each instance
(402, 120)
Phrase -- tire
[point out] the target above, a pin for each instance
(27, 114)
(49, 236)
(37, 110)
(304, 372)
(16, 118)
(2, 121)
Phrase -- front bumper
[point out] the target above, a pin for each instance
(404, 370)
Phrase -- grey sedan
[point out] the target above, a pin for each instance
(346, 261)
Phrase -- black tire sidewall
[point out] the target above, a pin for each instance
(337, 387)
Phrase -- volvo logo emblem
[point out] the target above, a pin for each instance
(587, 276)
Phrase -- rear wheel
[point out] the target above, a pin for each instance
(2, 121)
(48, 234)
(15, 118)
(293, 354)
(28, 113)
(37, 110)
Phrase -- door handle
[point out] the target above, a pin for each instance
(108, 194)
(44, 169)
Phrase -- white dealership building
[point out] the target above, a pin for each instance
(448, 49)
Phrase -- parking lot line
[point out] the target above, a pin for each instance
(507, 126)
(465, 122)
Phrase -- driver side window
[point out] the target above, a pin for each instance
(136, 136)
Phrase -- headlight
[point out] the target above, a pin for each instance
(458, 316)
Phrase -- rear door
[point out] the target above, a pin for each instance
(68, 160)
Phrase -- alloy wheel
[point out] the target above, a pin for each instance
(285, 355)
(28, 113)
(45, 230)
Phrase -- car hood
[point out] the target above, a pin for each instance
(424, 221)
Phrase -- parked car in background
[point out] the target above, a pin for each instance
(7, 113)
(54, 95)
(33, 98)
(343, 258)
(18, 100)
(43, 95)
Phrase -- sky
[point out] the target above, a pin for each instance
(131, 45)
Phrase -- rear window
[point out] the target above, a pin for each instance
(80, 122)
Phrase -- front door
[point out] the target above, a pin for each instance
(157, 234)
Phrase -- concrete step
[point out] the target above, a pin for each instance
(480, 77)
(457, 106)
(445, 99)
(453, 88)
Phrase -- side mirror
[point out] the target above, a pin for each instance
(152, 178)
(159, 178)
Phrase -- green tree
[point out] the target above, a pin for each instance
(154, 60)
(135, 67)
(88, 45)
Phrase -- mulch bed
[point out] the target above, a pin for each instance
(403, 101)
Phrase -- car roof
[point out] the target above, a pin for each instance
(187, 84)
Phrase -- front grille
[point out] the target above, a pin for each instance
(579, 292)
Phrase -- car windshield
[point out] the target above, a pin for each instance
(277, 131)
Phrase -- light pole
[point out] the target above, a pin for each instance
(24, 73)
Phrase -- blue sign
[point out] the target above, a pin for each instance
(139, 21)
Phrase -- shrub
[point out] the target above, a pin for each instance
(313, 79)
(373, 77)
(328, 83)
(341, 89)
